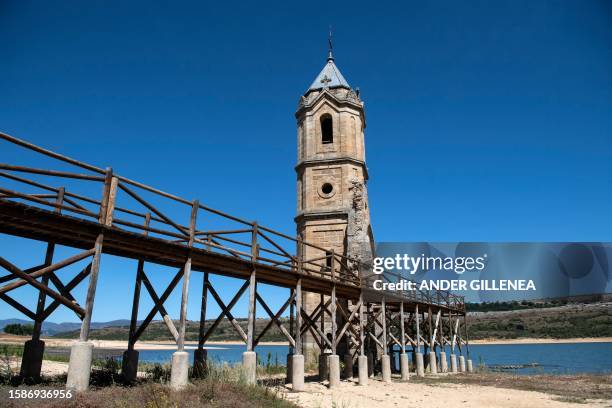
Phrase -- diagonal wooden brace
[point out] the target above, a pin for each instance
(29, 279)
(316, 313)
(18, 306)
(274, 319)
(376, 340)
(60, 286)
(315, 327)
(71, 285)
(155, 308)
(162, 310)
(395, 340)
(348, 323)
(8, 278)
(226, 311)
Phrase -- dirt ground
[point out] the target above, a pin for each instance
(49, 368)
(411, 394)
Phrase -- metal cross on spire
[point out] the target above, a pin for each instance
(330, 55)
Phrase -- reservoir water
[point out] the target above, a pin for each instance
(552, 358)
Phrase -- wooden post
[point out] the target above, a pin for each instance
(333, 305)
(435, 330)
(135, 303)
(430, 327)
(292, 319)
(402, 331)
(200, 368)
(370, 329)
(108, 180)
(91, 289)
(451, 332)
(202, 330)
(467, 340)
(383, 306)
(347, 337)
(95, 263)
(298, 316)
(361, 328)
(322, 303)
(252, 289)
(441, 334)
(454, 329)
(459, 336)
(298, 298)
(112, 194)
(186, 275)
(418, 329)
(136, 299)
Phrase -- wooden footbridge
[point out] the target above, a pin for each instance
(97, 211)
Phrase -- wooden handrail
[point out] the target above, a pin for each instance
(271, 241)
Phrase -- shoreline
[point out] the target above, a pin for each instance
(122, 345)
(527, 340)
(170, 345)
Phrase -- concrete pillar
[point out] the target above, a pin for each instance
(31, 362)
(461, 364)
(453, 360)
(129, 365)
(179, 375)
(443, 362)
(334, 370)
(200, 368)
(385, 363)
(348, 366)
(249, 365)
(433, 364)
(79, 366)
(323, 367)
(420, 367)
(289, 378)
(297, 372)
(470, 367)
(362, 362)
(404, 368)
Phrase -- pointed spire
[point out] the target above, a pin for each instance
(330, 76)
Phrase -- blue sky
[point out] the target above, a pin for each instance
(486, 121)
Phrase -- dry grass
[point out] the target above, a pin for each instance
(225, 386)
(203, 393)
(570, 388)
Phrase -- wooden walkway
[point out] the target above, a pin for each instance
(132, 220)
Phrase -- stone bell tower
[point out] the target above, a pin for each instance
(331, 170)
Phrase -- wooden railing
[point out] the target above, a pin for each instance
(128, 205)
(133, 206)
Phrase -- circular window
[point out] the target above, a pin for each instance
(326, 190)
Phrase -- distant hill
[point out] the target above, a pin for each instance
(538, 303)
(157, 330)
(572, 320)
(51, 329)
